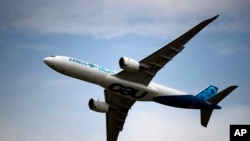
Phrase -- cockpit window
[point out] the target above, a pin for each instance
(52, 56)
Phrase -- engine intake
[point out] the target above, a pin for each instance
(98, 106)
(129, 64)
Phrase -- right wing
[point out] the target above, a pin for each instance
(116, 116)
(151, 64)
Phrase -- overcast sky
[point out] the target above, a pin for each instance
(37, 103)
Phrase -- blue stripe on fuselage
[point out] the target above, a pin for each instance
(184, 101)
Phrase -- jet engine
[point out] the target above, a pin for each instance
(129, 64)
(98, 106)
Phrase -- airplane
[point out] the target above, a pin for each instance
(133, 83)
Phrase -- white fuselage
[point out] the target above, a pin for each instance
(105, 78)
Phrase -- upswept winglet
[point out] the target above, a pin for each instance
(161, 57)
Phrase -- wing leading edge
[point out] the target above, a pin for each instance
(116, 116)
(154, 62)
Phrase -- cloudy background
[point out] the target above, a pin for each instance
(39, 104)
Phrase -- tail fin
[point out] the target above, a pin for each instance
(210, 96)
(207, 93)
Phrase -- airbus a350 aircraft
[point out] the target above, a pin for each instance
(133, 83)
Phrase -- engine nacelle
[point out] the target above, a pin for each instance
(98, 106)
(129, 64)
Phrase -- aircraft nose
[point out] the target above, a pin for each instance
(48, 60)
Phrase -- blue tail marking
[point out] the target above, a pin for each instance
(207, 93)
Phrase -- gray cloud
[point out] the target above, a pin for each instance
(108, 19)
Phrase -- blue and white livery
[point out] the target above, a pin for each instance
(134, 83)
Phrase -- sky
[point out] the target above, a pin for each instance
(37, 103)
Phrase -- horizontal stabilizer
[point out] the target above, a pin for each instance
(205, 116)
(221, 95)
(206, 113)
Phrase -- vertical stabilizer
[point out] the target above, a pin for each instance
(213, 100)
(207, 93)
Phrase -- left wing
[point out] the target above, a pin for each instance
(150, 65)
(116, 116)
